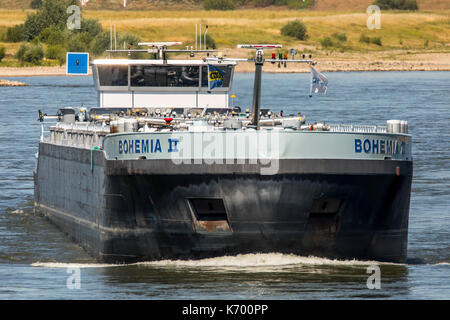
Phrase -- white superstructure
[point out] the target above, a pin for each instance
(128, 83)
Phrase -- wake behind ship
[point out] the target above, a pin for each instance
(164, 168)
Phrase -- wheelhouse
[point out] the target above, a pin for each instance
(159, 83)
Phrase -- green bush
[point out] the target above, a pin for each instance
(100, 43)
(337, 40)
(218, 5)
(52, 13)
(363, 38)
(266, 3)
(56, 52)
(33, 26)
(32, 53)
(57, 38)
(397, 4)
(20, 53)
(376, 40)
(342, 37)
(49, 25)
(294, 4)
(36, 4)
(15, 34)
(326, 42)
(295, 29)
(91, 27)
(2, 53)
(80, 42)
(45, 33)
(53, 36)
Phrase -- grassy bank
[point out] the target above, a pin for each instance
(398, 29)
(330, 5)
(405, 36)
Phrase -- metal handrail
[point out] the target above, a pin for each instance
(357, 128)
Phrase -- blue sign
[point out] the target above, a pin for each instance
(77, 63)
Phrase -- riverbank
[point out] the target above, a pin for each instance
(32, 71)
(9, 83)
(332, 63)
(406, 41)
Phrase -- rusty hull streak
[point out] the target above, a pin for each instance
(216, 225)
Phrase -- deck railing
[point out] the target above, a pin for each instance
(85, 135)
(88, 135)
(357, 128)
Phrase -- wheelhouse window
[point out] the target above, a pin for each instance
(113, 75)
(226, 70)
(164, 76)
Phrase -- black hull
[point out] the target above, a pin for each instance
(135, 210)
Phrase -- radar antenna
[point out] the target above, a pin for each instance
(159, 49)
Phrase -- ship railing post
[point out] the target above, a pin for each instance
(42, 132)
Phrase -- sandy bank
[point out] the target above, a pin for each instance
(32, 71)
(8, 83)
(346, 63)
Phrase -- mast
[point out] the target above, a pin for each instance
(256, 103)
(259, 62)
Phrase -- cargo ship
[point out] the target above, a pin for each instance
(165, 168)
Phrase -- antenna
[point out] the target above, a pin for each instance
(205, 35)
(160, 44)
(259, 62)
(259, 46)
(160, 48)
(115, 38)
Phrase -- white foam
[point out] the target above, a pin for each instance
(441, 264)
(258, 260)
(240, 261)
(17, 211)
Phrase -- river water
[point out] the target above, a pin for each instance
(37, 261)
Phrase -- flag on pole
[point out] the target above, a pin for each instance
(215, 77)
(318, 82)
